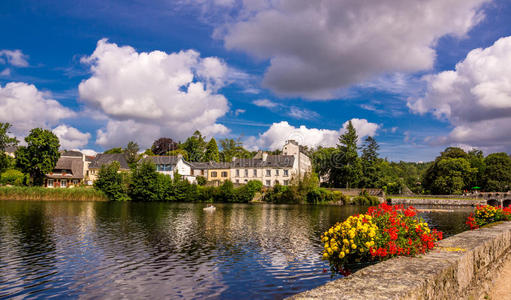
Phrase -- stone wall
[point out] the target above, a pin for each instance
(462, 267)
(432, 201)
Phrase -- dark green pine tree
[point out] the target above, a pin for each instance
(370, 163)
(346, 169)
(212, 153)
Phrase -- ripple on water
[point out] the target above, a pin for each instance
(162, 250)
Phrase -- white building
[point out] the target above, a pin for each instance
(169, 165)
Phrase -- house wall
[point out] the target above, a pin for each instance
(238, 175)
(57, 183)
(216, 174)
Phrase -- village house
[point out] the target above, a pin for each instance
(105, 159)
(169, 165)
(272, 169)
(216, 172)
(69, 171)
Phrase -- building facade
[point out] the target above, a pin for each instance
(104, 160)
(69, 171)
(169, 165)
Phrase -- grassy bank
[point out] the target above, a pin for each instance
(46, 194)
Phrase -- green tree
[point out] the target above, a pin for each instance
(111, 182)
(322, 160)
(476, 160)
(346, 169)
(114, 151)
(195, 146)
(144, 183)
(5, 141)
(40, 155)
(497, 174)
(370, 163)
(177, 152)
(233, 148)
(163, 145)
(212, 153)
(131, 153)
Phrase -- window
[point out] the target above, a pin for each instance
(277, 182)
(50, 182)
(224, 174)
(268, 182)
(286, 182)
(237, 173)
(277, 172)
(286, 172)
(255, 172)
(237, 181)
(63, 183)
(213, 174)
(246, 172)
(75, 181)
(268, 172)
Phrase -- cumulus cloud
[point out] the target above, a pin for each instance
(475, 98)
(318, 47)
(154, 93)
(14, 57)
(70, 137)
(25, 107)
(278, 133)
(87, 152)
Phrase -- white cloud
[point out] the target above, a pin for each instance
(265, 103)
(317, 47)
(154, 93)
(279, 133)
(70, 137)
(302, 113)
(239, 111)
(5, 72)
(475, 98)
(87, 152)
(25, 108)
(14, 57)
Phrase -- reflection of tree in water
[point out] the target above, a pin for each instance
(27, 247)
(450, 222)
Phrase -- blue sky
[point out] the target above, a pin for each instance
(261, 71)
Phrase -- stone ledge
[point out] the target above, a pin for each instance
(461, 267)
(433, 201)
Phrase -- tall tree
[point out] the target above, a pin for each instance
(195, 146)
(497, 174)
(370, 163)
(163, 145)
(212, 153)
(233, 148)
(110, 182)
(131, 153)
(177, 152)
(347, 170)
(476, 160)
(5, 141)
(117, 150)
(40, 155)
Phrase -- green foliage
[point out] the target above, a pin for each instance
(371, 164)
(12, 177)
(131, 153)
(114, 151)
(112, 183)
(212, 153)
(363, 199)
(246, 192)
(148, 152)
(195, 146)
(40, 155)
(322, 195)
(497, 173)
(177, 152)
(5, 139)
(201, 180)
(347, 169)
(233, 148)
(45, 194)
(144, 183)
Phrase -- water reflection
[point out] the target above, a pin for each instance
(162, 250)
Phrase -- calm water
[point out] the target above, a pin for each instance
(162, 250)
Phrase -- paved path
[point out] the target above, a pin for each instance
(502, 286)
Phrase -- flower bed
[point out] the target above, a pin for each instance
(383, 232)
(486, 214)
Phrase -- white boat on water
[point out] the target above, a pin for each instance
(209, 208)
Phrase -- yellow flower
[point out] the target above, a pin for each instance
(353, 246)
(341, 255)
(325, 256)
(330, 251)
(347, 251)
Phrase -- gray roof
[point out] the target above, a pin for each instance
(275, 161)
(210, 165)
(106, 159)
(71, 153)
(71, 166)
(162, 160)
(11, 149)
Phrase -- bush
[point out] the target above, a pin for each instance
(201, 180)
(383, 232)
(12, 177)
(486, 214)
(112, 183)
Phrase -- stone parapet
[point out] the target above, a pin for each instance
(433, 201)
(461, 267)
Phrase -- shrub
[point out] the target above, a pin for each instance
(384, 231)
(201, 180)
(486, 214)
(12, 177)
(112, 183)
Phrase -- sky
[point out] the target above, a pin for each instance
(417, 75)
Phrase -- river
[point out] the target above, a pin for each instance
(169, 250)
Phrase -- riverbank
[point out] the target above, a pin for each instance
(461, 266)
(435, 201)
(46, 194)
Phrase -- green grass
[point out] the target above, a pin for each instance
(46, 194)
